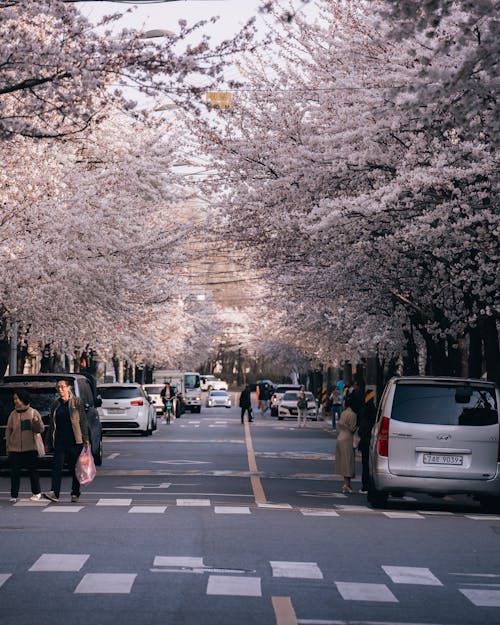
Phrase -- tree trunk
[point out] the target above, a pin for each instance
(475, 360)
(410, 357)
(489, 335)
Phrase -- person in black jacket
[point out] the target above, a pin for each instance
(246, 404)
(366, 420)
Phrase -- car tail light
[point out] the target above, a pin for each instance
(383, 438)
(137, 402)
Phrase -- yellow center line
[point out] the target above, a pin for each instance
(258, 491)
(283, 610)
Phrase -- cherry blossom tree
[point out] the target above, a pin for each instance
(345, 176)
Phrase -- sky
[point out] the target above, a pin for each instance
(233, 14)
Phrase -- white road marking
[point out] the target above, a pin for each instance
(4, 577)
(112, 456)
(143, 486)
(231, 510)
(114, 502)
(365, 592)
(482, 598)
(193, 502)
(435, 512)
(483, 517)
(343, 508)
(25, 503)
(275, 506)
(319, 512)
(60, 562)
(411, 575)
(106, 583)
(301, 570)
(403, 515)
(147, 509)
(234, 586)
(179, 561)
(63, 509)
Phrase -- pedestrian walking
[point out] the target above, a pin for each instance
(336, 405)
(301, 407)
(264, 398)
(344, 451)
(246, 404)
(68, 435)
(22, 425)
(366, 420)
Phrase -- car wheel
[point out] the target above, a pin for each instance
(375, 497)
(197, 409)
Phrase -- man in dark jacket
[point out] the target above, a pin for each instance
(246, 403)
(366, 420)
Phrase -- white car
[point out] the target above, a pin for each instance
(287, 406)
(277, 396)
(154, 390)
(210, 382)
(218, 398)
(126, 408)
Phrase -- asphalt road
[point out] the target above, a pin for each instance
(216, 522)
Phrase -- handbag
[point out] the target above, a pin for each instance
(40, 447)
(85, 470)
(39, 444)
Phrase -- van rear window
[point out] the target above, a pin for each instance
(445, 404)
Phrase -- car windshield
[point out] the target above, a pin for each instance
(118, 392)
(292, 396)
(218, 393)
(153, 390)
(445, 404)
(191, 381)
(284, 389)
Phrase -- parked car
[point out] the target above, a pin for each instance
(210, 382)
(42, 391)
(277, 396)
(218, 398)
(438, 436)
(287, 406)
(126, 408)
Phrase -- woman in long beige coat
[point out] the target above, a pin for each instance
(344, 452)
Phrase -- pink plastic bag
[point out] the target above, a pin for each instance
(85, 468)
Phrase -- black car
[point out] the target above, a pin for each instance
(41, 388)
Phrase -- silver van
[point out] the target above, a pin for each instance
(437, 436)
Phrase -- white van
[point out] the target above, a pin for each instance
(438, 436)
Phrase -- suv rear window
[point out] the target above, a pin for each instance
(444, 404)
(117, 392)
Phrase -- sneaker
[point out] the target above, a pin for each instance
(36, 497)
(13, 499)
(52, 496)
(363, 491)
(75, 499)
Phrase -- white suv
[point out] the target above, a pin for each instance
(438, 436)
(211, 383)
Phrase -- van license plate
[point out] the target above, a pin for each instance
(443, 459)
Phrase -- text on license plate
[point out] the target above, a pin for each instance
(443, 459)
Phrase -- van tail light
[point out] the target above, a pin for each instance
(383, 438)
(137, 402)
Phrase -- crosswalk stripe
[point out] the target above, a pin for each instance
(235, 586)
(106, 583)
(365, 592)
(301, 570)
(411, 575)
